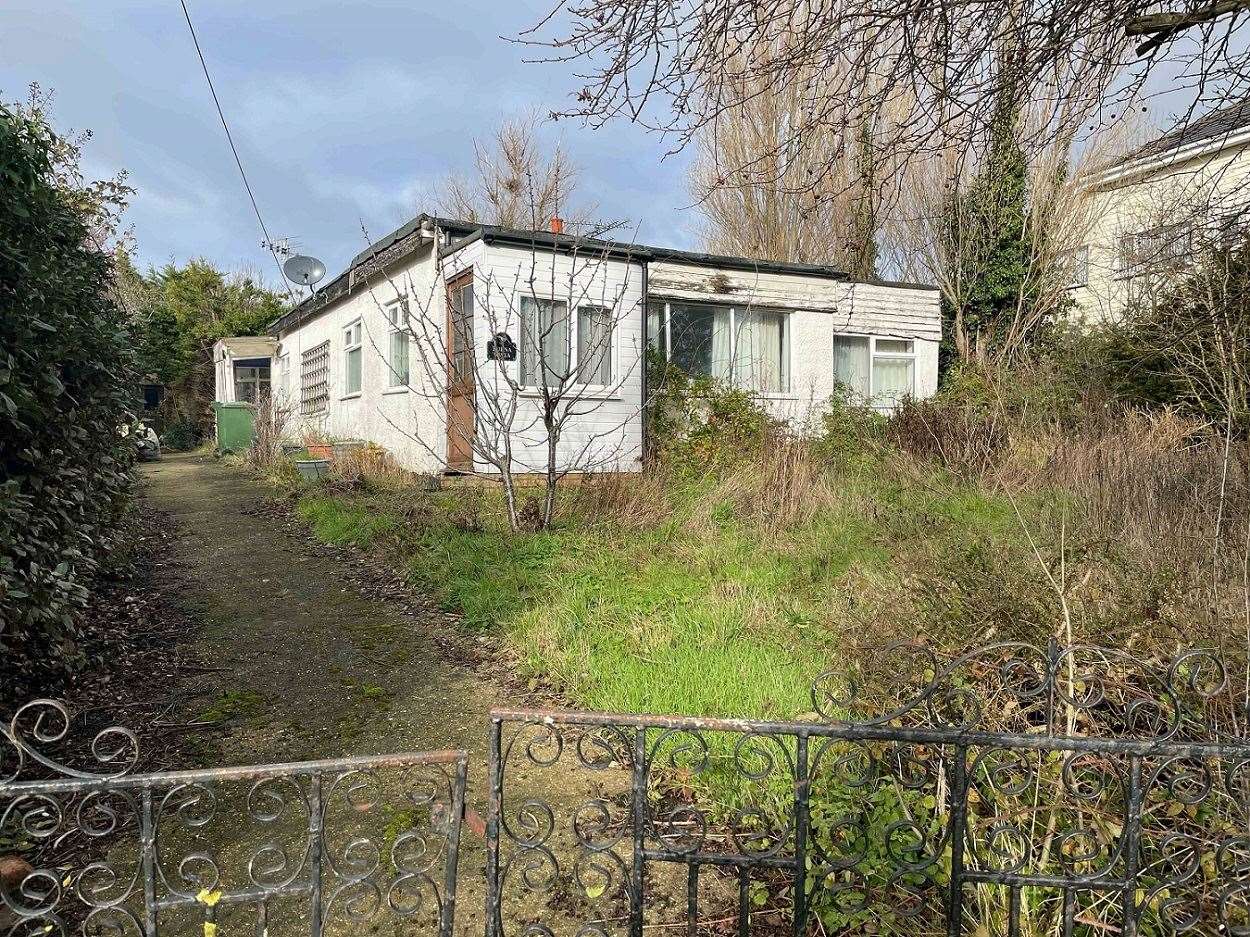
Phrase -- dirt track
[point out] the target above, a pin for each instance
(320, 668)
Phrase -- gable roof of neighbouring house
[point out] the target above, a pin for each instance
(1212, 130)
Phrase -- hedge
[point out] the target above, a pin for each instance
(66, 379)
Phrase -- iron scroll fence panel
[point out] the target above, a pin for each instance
(1011, 790)
(316, 847)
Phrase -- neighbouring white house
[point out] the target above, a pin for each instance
(1149, 207)
(445, 342)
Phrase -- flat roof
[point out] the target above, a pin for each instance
(468, 232)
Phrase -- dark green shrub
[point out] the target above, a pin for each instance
(66, 378)
(701, 421)
(181, 435)
(848, 430)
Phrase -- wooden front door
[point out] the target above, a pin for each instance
(461, 405)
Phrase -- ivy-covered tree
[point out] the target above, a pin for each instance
(988, 224)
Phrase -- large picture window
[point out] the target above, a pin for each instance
(743, 346)
(877, 371)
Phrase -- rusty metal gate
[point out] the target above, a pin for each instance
(1011, 790)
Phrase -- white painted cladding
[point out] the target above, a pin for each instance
(407, 421)
(862, 308)
(604, 431)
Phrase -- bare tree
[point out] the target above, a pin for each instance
(947, 228)
(526, 366)
(814, 200)
(680, 65)
(516, 182)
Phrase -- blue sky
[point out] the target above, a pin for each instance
(343, 112)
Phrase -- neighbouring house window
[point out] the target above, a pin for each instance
(594, 345)
(314, 393)
(878, 371)
(251, 380)
(1080, 267)
(544, 341)
(746, 347)
(397, 343)
(352, 354)
(1151, 256)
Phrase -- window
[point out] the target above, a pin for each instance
(1152, 255)
(760, 353)
(251, 380)
(879, 371)
(544, 341)
(1080, 267)
(852, 364)
(747, 347)
(314, 379)
(594, 345)
(461, 297)
(284, 379)
(397, 343)
(352, 353)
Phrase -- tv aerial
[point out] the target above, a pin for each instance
(304, 270)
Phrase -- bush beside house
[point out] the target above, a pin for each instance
(66, 380)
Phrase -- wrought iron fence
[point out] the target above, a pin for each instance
(312, 847)
(1011, 790)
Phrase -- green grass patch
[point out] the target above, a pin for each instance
(714, 617)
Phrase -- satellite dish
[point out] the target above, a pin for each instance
(303, 270)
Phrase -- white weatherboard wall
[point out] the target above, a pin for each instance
(403, 420)
(605, 432)
(820, 308)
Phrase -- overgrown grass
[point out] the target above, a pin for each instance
(706, 612)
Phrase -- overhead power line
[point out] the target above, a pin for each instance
(235, 150)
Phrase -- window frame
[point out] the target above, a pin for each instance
(1079, 278)
(873, 354)
(399, 305)
(787, 340)
(573, 315)
(348, 347)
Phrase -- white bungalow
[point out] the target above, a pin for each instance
(434, 342)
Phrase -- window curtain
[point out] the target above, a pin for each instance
(594, 345)
(701, 340)
(760, 363)
(892, 378)
(353, 371)
(399, 358)
(851, 364)
(544, 341)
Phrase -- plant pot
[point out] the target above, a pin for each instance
(320, 450)
(312, 470)
(290, 448)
